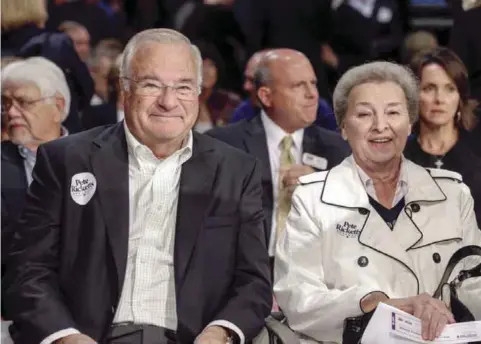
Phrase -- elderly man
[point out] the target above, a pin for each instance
(142, 232)
(35, 101)
(283, 136)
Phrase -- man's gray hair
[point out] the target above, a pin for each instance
(43, 73)
(377, 72)
(164, 36)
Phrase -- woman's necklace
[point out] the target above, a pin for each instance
(439, 161)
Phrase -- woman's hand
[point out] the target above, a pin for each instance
(433, 313)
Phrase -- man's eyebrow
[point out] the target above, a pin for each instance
(186, 80)
(394, 104)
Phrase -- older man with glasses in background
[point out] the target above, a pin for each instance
(35, 101)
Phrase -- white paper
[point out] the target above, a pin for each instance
(389, 325)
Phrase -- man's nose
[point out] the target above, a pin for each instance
(168, 98)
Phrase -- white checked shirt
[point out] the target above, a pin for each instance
(401, 187)
(148, 294)
(274, 135)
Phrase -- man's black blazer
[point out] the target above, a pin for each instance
(250, 136)
(14, 188)
(68, 260)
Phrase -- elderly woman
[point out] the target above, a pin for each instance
(376, 228)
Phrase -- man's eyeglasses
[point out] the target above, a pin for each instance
(24, 104)
(154, 88)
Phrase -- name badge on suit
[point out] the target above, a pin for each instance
(314, 161)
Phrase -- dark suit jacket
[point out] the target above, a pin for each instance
(250, 137)
(14, 187)
(68, 261)
(302, 25)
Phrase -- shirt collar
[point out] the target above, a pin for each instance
(135, 148)
(275, 134)
(29, 154)
(367, 181)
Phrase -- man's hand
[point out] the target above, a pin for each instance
(290, 176)
(77, 338)
(212, 335)
(433, 313)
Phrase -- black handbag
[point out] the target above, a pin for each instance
(354, 327)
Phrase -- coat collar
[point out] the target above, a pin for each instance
(343, 186)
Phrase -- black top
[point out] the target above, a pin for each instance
(388, 215)
(461, 159)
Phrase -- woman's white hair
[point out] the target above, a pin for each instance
(44, 74)
(377, 72)
(164, 36)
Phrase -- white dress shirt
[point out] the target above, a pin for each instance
(274, 135)
(401, 186)
(148, 294)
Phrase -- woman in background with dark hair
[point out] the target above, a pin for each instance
(442, 134)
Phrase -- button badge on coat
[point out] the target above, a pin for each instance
(437, 258)
(363, 261)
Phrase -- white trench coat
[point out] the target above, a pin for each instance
(336, 248)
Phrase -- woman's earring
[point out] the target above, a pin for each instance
(458, 116)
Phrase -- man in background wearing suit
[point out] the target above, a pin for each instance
(142, 232)
(283, 137)
(35, 101)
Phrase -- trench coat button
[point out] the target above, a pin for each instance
(415, 207)
(363, 211)
(436, 258)
(362, 261)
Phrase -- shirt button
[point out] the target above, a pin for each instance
(415, 207)
(363, 261)
(437, 258)
(363, 211)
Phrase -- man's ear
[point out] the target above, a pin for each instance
(60, 105)
(265, 96)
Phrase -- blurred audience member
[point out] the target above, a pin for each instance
(85, 12)
(216, 105)
(251, 106)
(214, 22)
(112, 110)
(283, 136)
(442, 134)
(101, 63)
(301, 25)
(375, 31)
(24, 35)
(416, 42)
(466, 43)
(80, 37)
(35, 101)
